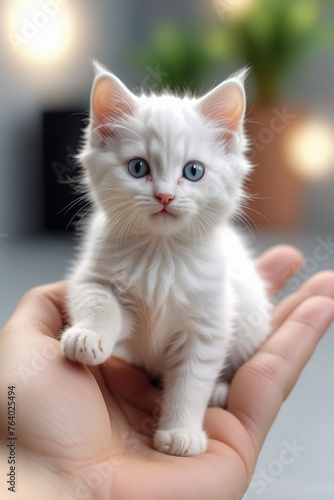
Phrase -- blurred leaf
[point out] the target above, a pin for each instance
(180, 53)
(271, 38)
(325, 38)
(219, 44)
(302, 16)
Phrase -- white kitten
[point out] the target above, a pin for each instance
(163, 280)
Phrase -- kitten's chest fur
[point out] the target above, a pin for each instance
(167, 287)
(160, 271)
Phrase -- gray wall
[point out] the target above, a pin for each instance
(105, 30)
(109, 29)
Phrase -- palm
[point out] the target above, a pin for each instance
(100, 432)
(88, 432)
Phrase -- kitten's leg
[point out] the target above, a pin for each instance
(219, 394)
(252, 328)
(97, 321)
(190, 374)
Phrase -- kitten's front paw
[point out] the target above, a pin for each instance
(180, 442)
(85, 346)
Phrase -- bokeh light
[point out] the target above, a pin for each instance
(236, 9)
(40, 30)
(310, 148)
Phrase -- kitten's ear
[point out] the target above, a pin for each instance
(225, 105)
(110, 102)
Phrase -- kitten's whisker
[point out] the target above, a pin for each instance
(191, 227)
(246, 223)
(123, 127)
(70, 205)
(209, 220)
(124, 228)
(128, 140)
(132, 223)
(117, 206)
(112, 223)
(82, 218)
(196, 230)
(77, 214)
(116, 221)
(252, 224)
(246, 207)
(198, 221)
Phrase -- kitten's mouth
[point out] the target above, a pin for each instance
(164, 214)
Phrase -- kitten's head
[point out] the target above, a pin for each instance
(162, 163)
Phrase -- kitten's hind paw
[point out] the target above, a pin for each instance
(219, 395)
(85, 346)
(180, 442)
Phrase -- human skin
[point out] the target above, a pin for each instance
(87, 432)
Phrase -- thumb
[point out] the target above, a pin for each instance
(41, 310)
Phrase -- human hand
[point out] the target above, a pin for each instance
(87, 433)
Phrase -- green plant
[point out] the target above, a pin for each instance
(271, 36)
(179, 53)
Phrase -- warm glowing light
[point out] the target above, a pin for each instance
(40, 29)
(242, 8)
(310, 148)
(234, 9)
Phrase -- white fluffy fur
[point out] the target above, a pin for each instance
(178, 296)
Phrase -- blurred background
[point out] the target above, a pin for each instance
(45, 79)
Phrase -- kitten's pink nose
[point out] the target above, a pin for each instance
(164, 198)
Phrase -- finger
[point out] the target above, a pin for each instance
(42, 309)
(260, 386)
(319, 284)
(131, 384)
(278, 264)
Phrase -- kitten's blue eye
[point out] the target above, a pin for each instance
(138, 168)
(193, 171)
